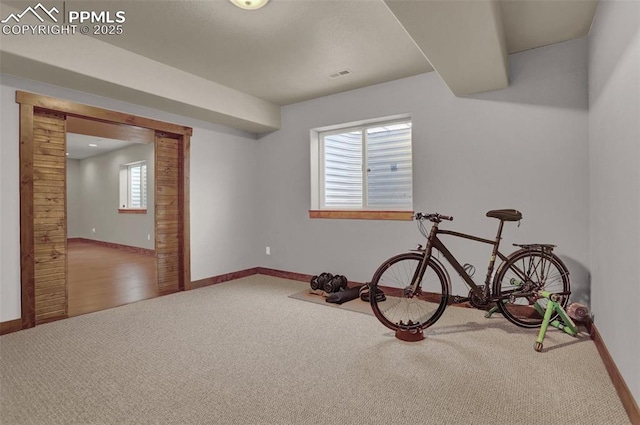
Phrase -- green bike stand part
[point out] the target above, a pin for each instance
(565, 323)
(490, 312)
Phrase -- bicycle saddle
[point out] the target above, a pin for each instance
(506, 215)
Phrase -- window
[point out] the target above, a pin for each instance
(133, 187)
(364, 167)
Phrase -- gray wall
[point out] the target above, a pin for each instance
(9, 206)
(614, 142)
(98, 197)
(224, 212)
(523, 147)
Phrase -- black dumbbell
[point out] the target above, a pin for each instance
(315, 285)
(334, 285)
(323, 279)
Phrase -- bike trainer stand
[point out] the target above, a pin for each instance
(564, 323)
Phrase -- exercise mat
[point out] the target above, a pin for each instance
(354, 305)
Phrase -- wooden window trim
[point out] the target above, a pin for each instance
(132, 210)
(362, 215)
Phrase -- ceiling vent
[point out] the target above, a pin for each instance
(340, 73)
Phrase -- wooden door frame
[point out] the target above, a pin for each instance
(31, 103)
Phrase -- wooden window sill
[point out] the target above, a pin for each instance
(362, 215)
(131, 211)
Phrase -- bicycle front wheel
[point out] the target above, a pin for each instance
(404, 309)
(525, 273)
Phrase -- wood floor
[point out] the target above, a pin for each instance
(101, 277)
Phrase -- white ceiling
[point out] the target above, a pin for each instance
(285, 52)
(282, 53)
(78, 145)
(214, 61)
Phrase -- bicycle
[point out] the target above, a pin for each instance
(417, 286)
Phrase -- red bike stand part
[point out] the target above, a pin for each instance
(413, 335)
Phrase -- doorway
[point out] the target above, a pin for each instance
(44, 123)
(110, 216)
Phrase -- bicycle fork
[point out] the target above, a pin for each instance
(414, 288)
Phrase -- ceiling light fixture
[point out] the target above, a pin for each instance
(93, 145)
(250, 4)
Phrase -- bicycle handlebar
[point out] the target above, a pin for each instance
(435, 217)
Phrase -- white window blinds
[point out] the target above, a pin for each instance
(138, 186)
(368, 167)
(343, 170)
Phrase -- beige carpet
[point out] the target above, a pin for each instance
(243, 352)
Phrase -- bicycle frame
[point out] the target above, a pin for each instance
(521, 280)
(433, 242)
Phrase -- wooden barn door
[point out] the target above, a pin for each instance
(46, 157)
(171, 194)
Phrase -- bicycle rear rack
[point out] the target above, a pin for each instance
(542, 247)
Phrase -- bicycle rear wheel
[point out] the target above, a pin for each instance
(524, 273)
(402, 310)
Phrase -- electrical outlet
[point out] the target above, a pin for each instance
(93, 230)
(268, 250)
(148, 237)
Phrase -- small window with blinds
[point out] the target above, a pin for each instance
(133, 187)
(367, 167)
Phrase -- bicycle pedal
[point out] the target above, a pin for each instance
(457, 299)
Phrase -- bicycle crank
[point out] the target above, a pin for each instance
(478, 302)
